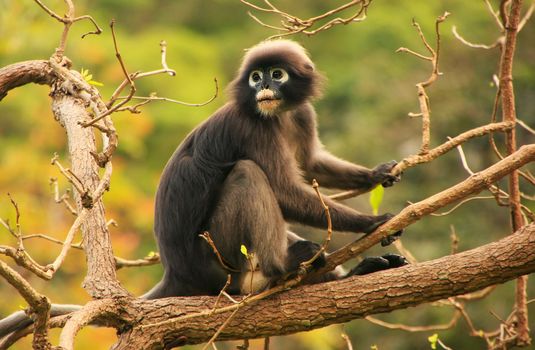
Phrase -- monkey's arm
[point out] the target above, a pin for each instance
(329, 170)
(333, 172)
(300, 204)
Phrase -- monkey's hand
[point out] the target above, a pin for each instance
(381, 174)
(378, 221)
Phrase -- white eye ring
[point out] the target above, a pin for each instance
(255, 77)
(279, 74)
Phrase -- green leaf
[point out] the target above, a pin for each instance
(374, 347)
(95, 83)
(151, 254)
(243, 250)
(433, 341)
(376, 198)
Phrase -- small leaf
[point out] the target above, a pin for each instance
(374, 347)
(433, 341)
(95, 83)
(376, 198)
(243, 250)
(151, 254)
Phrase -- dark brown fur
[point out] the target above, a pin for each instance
(241, 175)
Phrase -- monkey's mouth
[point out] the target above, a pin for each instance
(266, 100)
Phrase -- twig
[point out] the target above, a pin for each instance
(229, 278)
(206, 236)
(128, 77)
(52, 268)
(436, 152)
(454, 240)
(64, 198)
(422, 95)
(291, 24)
(227, 321)
(412, 329)
(68, 19)
(347, 340)
(460, 204)
(163, 51)
(497, 43)
(266, 343)
(525, 126)
(323, 248)
(149, 260)
(154, 97)
(69, 175)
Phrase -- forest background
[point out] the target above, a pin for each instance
(369, 91)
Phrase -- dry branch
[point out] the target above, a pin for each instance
(414, 212)
(436, 152)
(39, 305)
(22, 73)
(511, 24)
(314, 306)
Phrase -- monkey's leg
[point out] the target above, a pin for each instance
(248, 214)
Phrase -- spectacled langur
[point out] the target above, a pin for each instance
(242, 175)
(245, 172)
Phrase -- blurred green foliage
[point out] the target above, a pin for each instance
(362, 117)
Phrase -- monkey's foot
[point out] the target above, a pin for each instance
(378, 263)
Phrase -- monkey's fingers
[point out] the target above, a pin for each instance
(388, 240)
(391, 180)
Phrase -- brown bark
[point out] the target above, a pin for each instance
(509, 115)
(314, 306)
(414, 212)
(18, 74)
(101, 279)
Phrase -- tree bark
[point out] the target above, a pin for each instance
(100, 280)
(18, 74)
(314, 306)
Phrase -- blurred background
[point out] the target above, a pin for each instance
(369, 91)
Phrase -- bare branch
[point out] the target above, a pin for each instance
(293, 25)
(414, 212)
(437, 327)
(434, 153)
(39, 304)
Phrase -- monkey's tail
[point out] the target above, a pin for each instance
(156, 292)
(20, 320)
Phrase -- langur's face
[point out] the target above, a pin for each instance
(268, 85)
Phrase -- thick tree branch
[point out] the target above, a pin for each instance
(101, 280)
(314, 306)
(414, 212)
(18, 74)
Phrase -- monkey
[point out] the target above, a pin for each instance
(244, 174)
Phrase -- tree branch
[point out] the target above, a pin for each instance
(22, 73)
(474, 184)
(314, 306)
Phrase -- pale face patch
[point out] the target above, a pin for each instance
(267, 102)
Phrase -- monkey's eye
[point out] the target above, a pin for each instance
(255, 77)
(279, 74)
